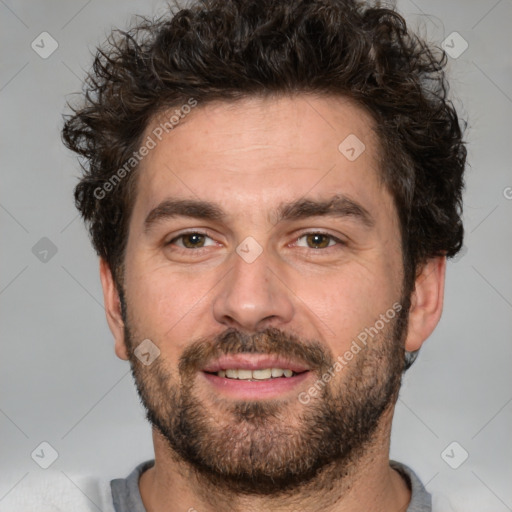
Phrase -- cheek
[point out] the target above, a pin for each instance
(346, 303)
(167, 305)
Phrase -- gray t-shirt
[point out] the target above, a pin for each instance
(126, 494)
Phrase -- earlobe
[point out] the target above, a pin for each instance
(113, 309)
(426, 302)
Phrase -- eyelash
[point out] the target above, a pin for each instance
(199, 249)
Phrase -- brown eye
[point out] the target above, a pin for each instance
(193, 240)
(317, 241)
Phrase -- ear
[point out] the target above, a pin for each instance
(113, 309)
(426, 302)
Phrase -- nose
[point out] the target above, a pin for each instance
(251, 297)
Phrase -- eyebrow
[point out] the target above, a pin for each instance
(339, 206)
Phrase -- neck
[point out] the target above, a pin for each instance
(366, 483)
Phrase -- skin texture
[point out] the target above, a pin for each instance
(249, 157)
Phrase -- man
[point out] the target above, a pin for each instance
(273, 189)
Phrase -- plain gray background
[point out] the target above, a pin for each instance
(60, 380)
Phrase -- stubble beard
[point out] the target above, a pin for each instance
(271, 447)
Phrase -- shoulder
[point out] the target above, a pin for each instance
(421, 500)
(58, 491)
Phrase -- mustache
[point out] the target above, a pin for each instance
(271, 341)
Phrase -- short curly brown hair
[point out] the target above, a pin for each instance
(234, 49)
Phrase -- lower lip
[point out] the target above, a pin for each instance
(254, 389)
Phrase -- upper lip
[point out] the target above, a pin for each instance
(253, 362)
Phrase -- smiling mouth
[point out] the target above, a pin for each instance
(255, 375)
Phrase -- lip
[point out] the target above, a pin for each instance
(254, 389)
(253, 362)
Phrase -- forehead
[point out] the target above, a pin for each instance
(257, 152)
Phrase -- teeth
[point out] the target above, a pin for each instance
(267, 373)
(260, 374)
(244, 374)
(232, 374)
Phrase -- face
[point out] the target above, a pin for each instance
(260, 254)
